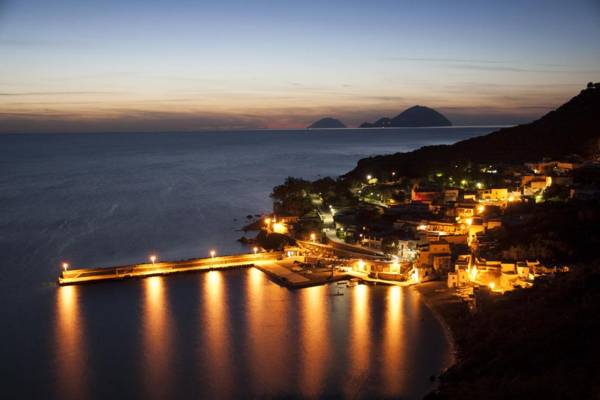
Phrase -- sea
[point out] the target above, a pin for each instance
(95, 200)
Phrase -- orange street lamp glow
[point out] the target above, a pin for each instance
(152, 258)
(267, 221)
(313, 237)
(469, 221)
(65, 266)
(255, 249)
(361, 265)
(492, 285)
(213, 253)
(473, 273)
(279, 227)
(481, 208)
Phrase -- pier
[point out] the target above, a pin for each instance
(90, 275)
(277, 265)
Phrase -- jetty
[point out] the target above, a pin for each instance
(90, 275)
(279, 266)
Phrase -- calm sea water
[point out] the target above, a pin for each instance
(96, 200)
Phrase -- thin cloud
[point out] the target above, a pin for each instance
(476, 67)
(464, 60)
(494, 65)
(68, 93)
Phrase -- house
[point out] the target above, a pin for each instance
(556, 167)
(460, 277)
(424, 194)
(534, 184)
(493, 195)
(465, 209)
(436, 254)
(286, 219)
(439, 226)
(451, 195)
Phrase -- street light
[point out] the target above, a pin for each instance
(213, 253)
(255, 249)
(313, 237)
(65, 266)
(153, 258)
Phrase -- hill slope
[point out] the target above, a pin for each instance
(573, 128)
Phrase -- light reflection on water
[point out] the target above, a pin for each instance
(217, 341)
(70, 346)
(314, 339)
(268, 337)
(393, 344)
(257, 339)
(156, 330)
(358, 339)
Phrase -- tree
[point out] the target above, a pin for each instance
(292, 197)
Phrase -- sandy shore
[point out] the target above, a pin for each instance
(449, 309)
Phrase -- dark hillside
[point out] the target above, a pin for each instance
(573, 128)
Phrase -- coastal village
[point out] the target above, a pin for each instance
(501, 249)
(444, 226)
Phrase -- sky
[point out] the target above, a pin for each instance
(168, 65)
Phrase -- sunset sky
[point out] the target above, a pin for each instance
(148, 65)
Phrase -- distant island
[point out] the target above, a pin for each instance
(416, 116)
(327, 123)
